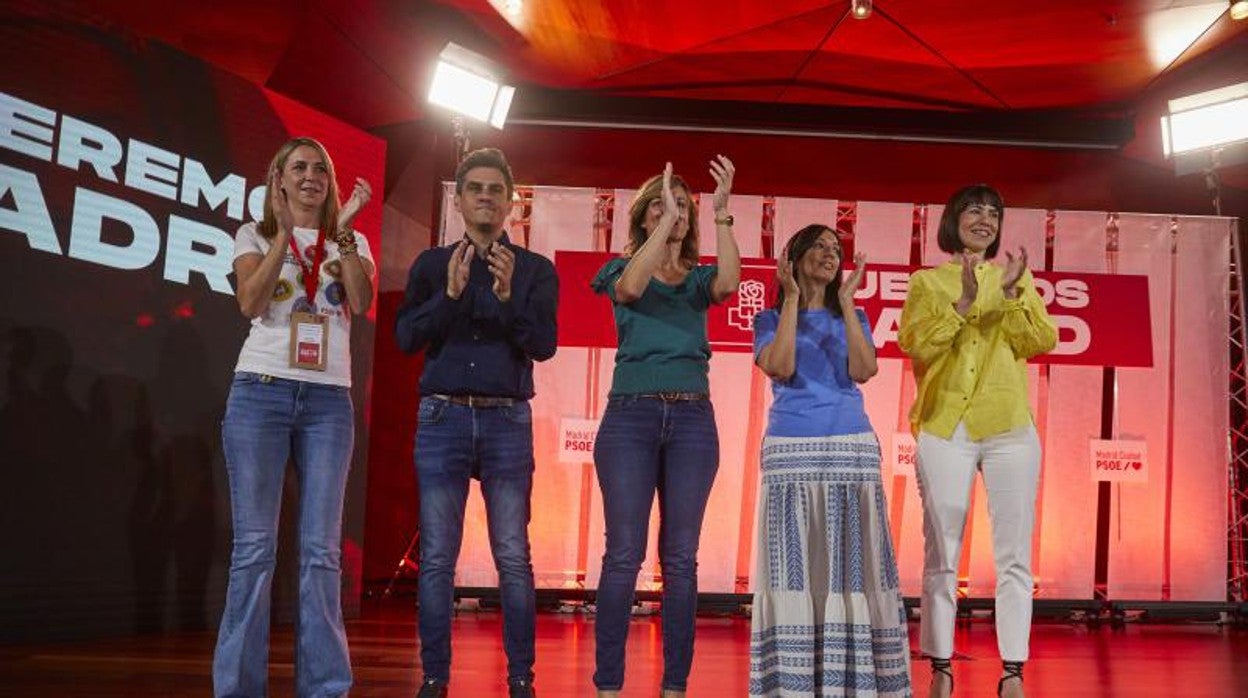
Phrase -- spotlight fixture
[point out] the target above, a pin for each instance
(1208, 129)
(861, 9)
(468, 84)
(1239, 9)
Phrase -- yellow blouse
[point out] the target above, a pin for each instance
(972, 369)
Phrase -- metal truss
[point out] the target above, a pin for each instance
(1237, 467)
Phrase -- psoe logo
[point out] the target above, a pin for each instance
(750, 299)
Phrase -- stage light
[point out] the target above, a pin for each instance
(468, 84)
(1208, 129)
(861, 9)
(1239, 9)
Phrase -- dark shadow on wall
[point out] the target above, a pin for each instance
(187, 417)
(108, 515)
(52, 476)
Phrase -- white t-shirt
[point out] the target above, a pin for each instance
(267, 349)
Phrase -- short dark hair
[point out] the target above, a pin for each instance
(947, 236)
(797, 247)
(492, 158)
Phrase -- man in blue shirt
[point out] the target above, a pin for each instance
(483, 310)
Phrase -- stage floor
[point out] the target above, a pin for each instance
(1188, 660)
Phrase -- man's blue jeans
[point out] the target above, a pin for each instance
(268, 420)
(455, 443)
(644, 445)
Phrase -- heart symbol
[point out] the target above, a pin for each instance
(1137, 465)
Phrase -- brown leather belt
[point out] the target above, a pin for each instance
(673, 396)
(477, 400)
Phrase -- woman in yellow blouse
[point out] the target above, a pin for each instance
(969, 327)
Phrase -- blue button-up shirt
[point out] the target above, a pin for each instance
(476, 344)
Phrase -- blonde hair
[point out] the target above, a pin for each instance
(267, 226)
(650, 190)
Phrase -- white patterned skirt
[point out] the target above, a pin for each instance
(828, 618)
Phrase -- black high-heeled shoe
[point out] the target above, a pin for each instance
(942, 666)
(1013, 670)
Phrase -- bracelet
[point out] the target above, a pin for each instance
(726, 220)
(346, 242)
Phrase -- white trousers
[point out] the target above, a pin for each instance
(1010, 463)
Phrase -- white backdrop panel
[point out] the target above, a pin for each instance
(1064, 565)
(1200, 416)
(619, 219)
(930, 253)
(1143, 401)
(747, 213)
(738, 453)
(793, 214)
(883, 230)
(562, 219)
(1025, 227)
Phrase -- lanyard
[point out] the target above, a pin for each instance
(310, 280)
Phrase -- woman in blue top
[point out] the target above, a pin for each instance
(658, 431)
(828, 618)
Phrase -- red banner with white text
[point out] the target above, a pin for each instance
(1102, 319)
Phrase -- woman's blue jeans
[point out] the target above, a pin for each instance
(647, 444)
(267, 421)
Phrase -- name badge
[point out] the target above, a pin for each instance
(309, 341)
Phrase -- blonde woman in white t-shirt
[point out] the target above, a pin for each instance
(302, 274)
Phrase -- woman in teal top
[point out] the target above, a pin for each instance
(658, 431)
(828, 618)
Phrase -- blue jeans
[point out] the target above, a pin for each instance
(455, 443)
(267, 421)
(646, 444)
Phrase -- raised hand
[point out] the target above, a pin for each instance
(784, 274)
(853, 282)
(457, 268)
(285, 218)
(502, 263)
(670, 210)
(360, 195)
(970, 283)
(1014, 268)
(722, 171)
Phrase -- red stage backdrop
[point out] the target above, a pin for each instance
(1146, 294)
(125, 169)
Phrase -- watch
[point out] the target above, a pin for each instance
(726, 220)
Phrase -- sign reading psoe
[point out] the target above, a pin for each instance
(576, 439)
(1118, 460)
(905, 454)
